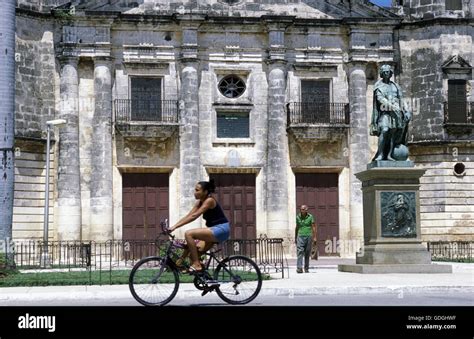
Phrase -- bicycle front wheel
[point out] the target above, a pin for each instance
(239, 280)
(152, 282)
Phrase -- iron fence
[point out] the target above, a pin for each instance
(101, 261)
(452, 250)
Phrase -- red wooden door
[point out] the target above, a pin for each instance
(145, 203)
(319, 191)
(236, 194)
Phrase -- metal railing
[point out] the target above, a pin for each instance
(333, 113)
(104, 259)
(452, 250)
(466, 109)
(127, 110)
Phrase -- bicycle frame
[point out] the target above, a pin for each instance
(167, 259)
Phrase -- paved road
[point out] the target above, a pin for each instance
(405, 299)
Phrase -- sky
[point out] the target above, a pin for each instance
(385, 3)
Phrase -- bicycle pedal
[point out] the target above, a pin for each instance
(206, 291)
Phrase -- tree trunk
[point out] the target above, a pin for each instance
(7, 123)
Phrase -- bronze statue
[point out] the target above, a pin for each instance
(389, 119)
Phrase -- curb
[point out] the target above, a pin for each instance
(272, 291)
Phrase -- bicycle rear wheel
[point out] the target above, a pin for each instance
(152, 282)
(239, 280)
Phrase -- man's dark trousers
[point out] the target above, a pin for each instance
(303, 249)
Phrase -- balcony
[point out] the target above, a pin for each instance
(318, 113)
(146, 118)
(155, 111)
(458, 117)
(318, 121)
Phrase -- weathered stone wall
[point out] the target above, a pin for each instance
(427, 9)
(446, 199)
(35, 103)
(423, 52)
(30, 179)
(36, 76)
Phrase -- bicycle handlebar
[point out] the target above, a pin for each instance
(165, 230)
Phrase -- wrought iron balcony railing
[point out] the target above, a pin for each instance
(458, 112)
(332, 113)
(127, 110)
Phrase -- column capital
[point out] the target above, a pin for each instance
(68, 60)
(277, 64)
(189, 60)
(356, 64)
(103, 60)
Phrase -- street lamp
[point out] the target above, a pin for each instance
(45, 256)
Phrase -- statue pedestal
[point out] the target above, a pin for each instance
(392, 234)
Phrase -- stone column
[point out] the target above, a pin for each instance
(68, 183)
(101, 157)
(277, 154)
(358, 143)
(190, 162)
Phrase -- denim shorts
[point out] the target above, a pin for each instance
(221, 232)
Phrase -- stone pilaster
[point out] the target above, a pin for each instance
(277, 157)
(277, 164)
(358, 142)
(101, 172)
(68, 184)
(190, 171)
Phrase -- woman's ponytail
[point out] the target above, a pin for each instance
(208, 186)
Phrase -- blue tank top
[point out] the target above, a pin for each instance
(215, 216)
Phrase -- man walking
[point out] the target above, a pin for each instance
(305, 234)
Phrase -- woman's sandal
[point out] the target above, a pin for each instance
(194, 270)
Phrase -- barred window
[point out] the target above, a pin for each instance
(315, 90)
(457, 101)
(233, 125)
(145, 95)
(453, 5)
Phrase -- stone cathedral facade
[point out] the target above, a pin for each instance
(272, 99)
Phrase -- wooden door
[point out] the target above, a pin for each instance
(319, 191)
(236, 194)
(145, 203)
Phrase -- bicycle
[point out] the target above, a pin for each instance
(236, 279)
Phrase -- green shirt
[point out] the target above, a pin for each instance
(305, 228)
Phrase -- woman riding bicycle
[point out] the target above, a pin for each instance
(218, 225)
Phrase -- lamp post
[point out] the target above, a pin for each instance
(45, 256)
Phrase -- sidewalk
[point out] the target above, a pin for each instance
(323, 278)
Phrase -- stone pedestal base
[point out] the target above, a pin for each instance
(378, 269)
(394, 254)
(392, 233)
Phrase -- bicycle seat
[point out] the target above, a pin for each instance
(215, 251)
